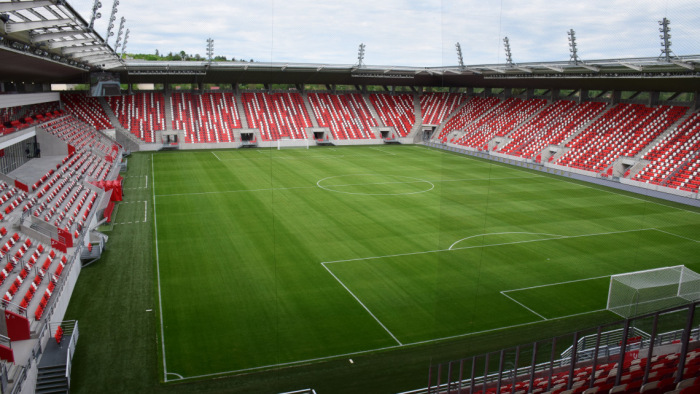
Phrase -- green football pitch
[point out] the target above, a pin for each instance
(269, 258)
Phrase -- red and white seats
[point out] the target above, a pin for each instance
(346, 115)
(472, 110)
(623, 130)
(436, 107)
(551, 126)
(141, 113)
(206, 117)
(499, 122)
(396, 111)
(277, 115)
(675, 159)
(87, 109)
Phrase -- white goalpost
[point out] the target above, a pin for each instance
(284, 143)
(641, 292)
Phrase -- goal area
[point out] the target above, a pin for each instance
(636, 293)
(285, 143)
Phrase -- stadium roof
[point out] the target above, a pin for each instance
(53, 32)
(47, 41)
(639, 73)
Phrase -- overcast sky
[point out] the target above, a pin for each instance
(403, 32)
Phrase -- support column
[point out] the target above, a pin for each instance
(615, 97)
(529, 93)
(654, 99)
(696, 100)
(554, 95)
(583, 96)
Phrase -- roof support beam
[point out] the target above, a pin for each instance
(14, 27)
(82, 48)
(69, 43)
(527, 70)
(554, 68)
(55, 36)
(683, 64)
(23, 5)
(632, 66)
(592, 68)
(498, 70)
(99, 60)
(91, 55)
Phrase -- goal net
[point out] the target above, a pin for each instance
(285, 143)
(641, 292)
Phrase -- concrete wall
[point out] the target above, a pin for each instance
(50, 145)
(14, 100)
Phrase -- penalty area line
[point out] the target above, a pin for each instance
(523, 305)
(362, 304)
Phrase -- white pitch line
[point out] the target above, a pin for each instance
(363, 305)
(555, 284)
(217, 157)
(237, 191)
(307, 361)
(487, 245)
(146, 185)
(176, 374)
(507, 232)
(145, 211)
(676, 235)
(316, 187)
(523, 305)
(382, 150)
(160, 296)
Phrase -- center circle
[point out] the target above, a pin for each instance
(375, 184)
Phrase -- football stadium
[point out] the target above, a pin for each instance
(183, 223)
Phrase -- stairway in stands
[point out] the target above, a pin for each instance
(52, 380)
(124, 137)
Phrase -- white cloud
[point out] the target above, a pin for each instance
(403, 32)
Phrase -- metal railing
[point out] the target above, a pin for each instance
(614, 344)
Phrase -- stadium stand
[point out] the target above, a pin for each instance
(622, 360)
(142, 113)
(277, 115)
(472, 110)
(206, 117)
(395, 110)
(499, 122)
(436, 107)
(20, 117)
(551, 126)
(674, 159)
(34, 272)
(87, 109)
(624, 130)
(347, 115)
